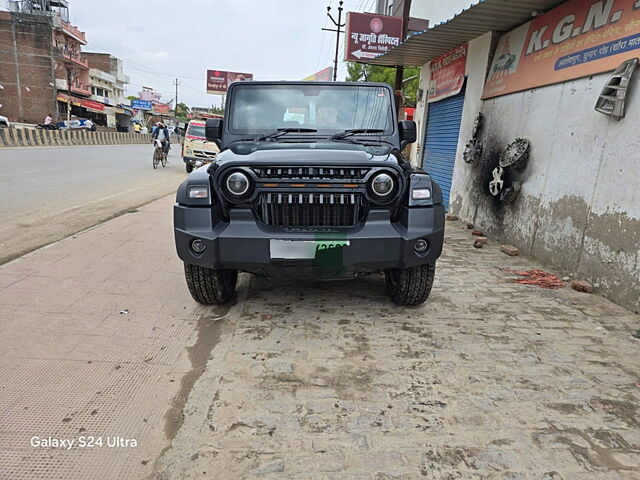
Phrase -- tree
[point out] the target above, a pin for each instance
(359, 72)
(182, 111)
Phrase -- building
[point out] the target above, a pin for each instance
(418, 11)
(108, 86)
(535, 70)
(43, 71)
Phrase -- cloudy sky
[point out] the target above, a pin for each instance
(159, 40)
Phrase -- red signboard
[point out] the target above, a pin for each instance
(324, 75)
(218, 81)
(577, 39)
(91, 105)
(370, 35)
(161, 108)
(447, 74)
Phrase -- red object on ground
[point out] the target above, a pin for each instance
(537, 277)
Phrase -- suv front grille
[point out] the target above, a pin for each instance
(311, 173)
(311, 209)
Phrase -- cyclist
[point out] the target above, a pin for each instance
(161, 132)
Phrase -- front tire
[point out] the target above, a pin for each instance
(209, 286)
(410, 286)
(189, 167)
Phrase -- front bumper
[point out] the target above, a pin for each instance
(243, 244)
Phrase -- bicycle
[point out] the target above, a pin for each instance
(159, 154)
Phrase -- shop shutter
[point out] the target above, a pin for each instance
(441, 141)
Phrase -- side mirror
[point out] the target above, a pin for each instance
(213, 130)
(408, 133)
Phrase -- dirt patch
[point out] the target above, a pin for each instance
(209, 330)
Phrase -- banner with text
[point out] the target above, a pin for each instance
(447, 74)
(218, 81)
(369, 36)
(576, 39)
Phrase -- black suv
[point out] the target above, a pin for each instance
(310, 181)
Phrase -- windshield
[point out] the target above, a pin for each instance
(329, 109)
(196, 131)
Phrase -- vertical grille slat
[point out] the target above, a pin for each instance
(310, 210)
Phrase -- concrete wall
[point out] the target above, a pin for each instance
(579, 207)
(27, 69)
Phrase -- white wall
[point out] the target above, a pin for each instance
(579, 207)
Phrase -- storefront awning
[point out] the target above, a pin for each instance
(483, 17)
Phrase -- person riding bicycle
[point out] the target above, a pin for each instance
(161, 132)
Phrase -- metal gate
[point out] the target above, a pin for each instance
(441, 141)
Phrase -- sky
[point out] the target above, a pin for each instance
(161, 40)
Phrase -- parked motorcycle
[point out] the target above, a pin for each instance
(51, 126)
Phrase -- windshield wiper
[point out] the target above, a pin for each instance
(284, 131)
(355, 131)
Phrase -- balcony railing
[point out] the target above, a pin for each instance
(69, 29)
(74, 57)
(80, 88)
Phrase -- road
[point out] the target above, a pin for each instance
(47, 194)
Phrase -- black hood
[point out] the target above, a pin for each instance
(309, 154)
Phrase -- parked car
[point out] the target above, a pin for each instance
(4, 122)
(196, 150)
(310, 182)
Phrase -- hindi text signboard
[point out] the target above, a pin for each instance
(369, 36)
(218, 81)
(574, 40)
(447, 74)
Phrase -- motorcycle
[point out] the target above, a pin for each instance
(51, 126)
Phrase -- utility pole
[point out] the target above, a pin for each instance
(338, 31)
(406, 12)
(177, 84)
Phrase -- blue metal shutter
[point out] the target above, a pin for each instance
(441, 141)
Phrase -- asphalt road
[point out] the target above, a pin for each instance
(47, 194)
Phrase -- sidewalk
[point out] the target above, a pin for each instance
(93, 343)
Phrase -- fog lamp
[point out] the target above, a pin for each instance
(198, 246)
(421, 246)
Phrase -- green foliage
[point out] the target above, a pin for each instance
(359, 72)
(182, 111)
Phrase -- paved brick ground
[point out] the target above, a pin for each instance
(489, 380)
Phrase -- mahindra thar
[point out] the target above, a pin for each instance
(310, 182)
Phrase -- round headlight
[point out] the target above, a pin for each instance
(382, 184)
(238, 184)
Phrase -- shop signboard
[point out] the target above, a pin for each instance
(369, 36)
(139, 104)
(92, 106)
(218, 81)
(324, 75)
(447, 74)
(577, 39)
(161, 108)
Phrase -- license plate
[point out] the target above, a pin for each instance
(303, 249)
